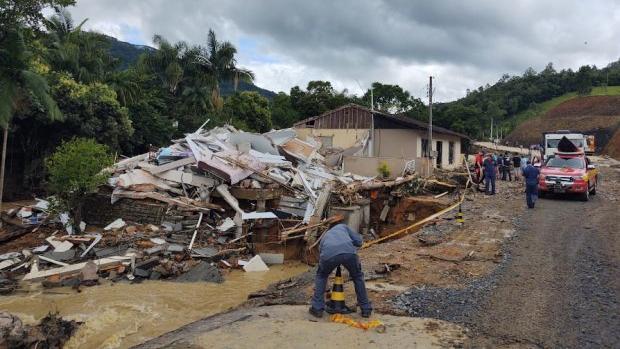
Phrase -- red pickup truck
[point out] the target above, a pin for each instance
(568, 173)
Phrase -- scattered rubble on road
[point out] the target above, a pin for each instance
(207, 203)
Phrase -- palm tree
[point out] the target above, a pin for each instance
(167, 63)
(82, 54)
(218, 61)
(17, 85)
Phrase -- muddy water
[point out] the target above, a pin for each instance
(121, 315)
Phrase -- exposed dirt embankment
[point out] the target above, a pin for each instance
(598, 115)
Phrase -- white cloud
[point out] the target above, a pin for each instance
(463, 44)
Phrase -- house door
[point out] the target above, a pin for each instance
(439, 153)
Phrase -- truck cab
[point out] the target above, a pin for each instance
(568, 173)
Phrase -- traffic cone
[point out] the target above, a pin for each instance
(336, 304)
(459, 217)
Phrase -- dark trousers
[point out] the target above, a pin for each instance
(489, 180)
(531, 194)
(352, 263)
(506, 173)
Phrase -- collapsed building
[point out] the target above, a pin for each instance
(217, 197)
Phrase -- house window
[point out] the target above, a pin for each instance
(451, 153)
(425, 148)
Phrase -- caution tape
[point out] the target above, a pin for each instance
(341, 319)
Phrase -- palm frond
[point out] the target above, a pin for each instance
(39, 88)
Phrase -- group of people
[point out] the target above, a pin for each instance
(489, 166)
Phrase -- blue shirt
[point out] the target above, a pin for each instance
(489, 167)
(530, 173)
(338, 240)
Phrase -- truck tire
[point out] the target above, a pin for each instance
(593, 191)
(585, 196)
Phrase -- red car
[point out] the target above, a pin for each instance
(568, 173)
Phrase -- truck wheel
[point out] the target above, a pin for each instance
(593, 191)
(585, 196)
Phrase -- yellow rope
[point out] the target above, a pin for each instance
(341, 319)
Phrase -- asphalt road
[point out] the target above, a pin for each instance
(561, 288)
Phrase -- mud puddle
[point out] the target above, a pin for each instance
(122, 315)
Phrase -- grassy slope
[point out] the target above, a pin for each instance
(544, 107)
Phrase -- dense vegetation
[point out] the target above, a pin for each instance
(58, 82)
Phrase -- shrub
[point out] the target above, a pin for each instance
(384, 170)
(75, 169)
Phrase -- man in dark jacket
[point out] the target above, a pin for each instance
(531, 174)
(490, 169)
(339, 247)
(516, 164)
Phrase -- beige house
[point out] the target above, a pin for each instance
(371, 138)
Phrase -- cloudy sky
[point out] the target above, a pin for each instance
(463, 44)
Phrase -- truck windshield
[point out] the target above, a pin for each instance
(565, 162)
(553, 143)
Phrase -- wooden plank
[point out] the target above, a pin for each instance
(74, 268)
(172, 165)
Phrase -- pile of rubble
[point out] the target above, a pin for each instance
(210, 200)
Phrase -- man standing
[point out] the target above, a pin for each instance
(507, 167)
(339, 247)
(531, 174)
(490, 169)
(516, 165)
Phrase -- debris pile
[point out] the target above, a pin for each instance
(186, 211)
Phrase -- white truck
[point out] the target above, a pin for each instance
(580, 140)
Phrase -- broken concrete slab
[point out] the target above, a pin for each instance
(203, 271)
(111, 251)
(205, 251)
(272, 258)
(175, 248)
(89, 272)
(117, 224)
(143, 273)
(59, 246)
(156, 249)
(255, 264)
(60, 256)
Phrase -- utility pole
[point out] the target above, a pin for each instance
(371, 148)
(430, 123)
(491, 130)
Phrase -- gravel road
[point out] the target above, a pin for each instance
(558, 286)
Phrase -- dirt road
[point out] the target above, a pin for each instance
(562, 286)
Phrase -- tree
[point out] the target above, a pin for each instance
(84, 55)
(319, 97)
(584, 80)
(389, 98)
(25, 13)
(248, 110)
(92, 111)
(282, 112)
(218, 60)
(75, 169)
(19, 86)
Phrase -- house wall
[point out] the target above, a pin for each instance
(342, 138)
(397, 143)
(407, 143)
